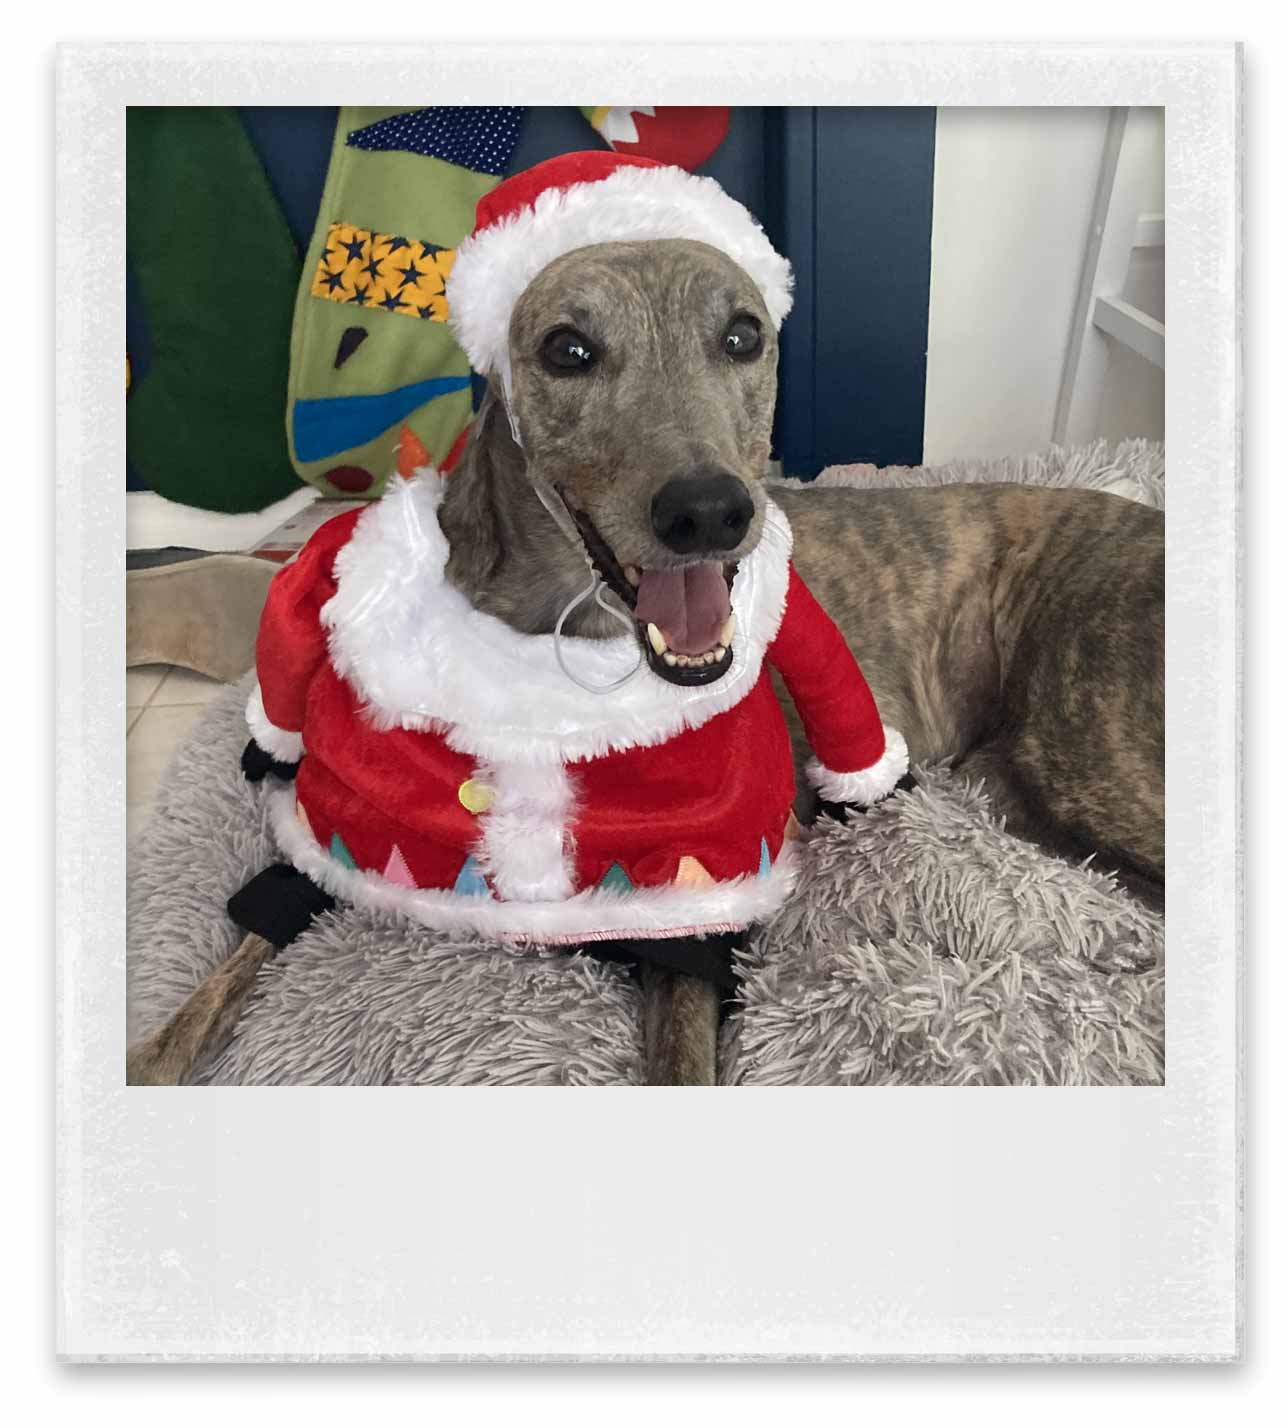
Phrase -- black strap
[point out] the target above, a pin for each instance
(278, 904)
(708, 958)
(841, 811)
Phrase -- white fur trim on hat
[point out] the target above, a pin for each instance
(495, 265)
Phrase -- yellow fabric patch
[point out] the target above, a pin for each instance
(476, 797)
(691, 874)
(382, 270)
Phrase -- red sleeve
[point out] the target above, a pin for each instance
(291, 644)
(858, 761)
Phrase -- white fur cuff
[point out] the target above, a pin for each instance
(281, 744)
(863, 786)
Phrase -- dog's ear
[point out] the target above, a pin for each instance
(470, 514)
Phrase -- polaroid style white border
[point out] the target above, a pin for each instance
(457, 1224)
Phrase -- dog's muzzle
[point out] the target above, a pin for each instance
(683, 616)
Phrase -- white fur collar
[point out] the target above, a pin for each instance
(420, 655)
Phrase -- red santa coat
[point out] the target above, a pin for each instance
(450, 770)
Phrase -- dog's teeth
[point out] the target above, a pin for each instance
(657, 639)
(727, 629)
(720, 651)
(670, 658)
(632, 573)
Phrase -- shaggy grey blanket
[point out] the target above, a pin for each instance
(923, 946)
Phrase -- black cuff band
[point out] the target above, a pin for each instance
(278, 904)
(256, 762)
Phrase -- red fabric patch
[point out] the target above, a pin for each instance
(458, 446)
(683, 135)
(353, 479)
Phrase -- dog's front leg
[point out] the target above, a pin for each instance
(681, 1019)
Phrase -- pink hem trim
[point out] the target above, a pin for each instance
(612, 934)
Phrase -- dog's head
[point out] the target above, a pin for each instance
(642, 382)
(626, 316)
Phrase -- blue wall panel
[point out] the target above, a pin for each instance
(849, 199)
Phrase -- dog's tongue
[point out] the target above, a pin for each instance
(689, 606)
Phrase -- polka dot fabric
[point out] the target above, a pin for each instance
(481, 138)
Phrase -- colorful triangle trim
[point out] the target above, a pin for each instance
(470, 881)
(340, 853)
(616, 880)
(397, 871)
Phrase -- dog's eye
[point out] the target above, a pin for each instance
(742, 340)
(566, 351)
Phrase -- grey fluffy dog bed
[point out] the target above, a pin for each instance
(923, 945)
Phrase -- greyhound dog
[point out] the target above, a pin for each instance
(1014, 631)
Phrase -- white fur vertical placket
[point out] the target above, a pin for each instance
(526, 841)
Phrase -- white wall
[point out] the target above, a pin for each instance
(1013, 197)
(1014, 192)
(1131, 403)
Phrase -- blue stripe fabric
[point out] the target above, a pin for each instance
(323, 426)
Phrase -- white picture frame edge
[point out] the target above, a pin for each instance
(455, 1224)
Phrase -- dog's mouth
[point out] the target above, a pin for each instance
(683, 614)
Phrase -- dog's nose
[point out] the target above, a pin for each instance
(710, 511)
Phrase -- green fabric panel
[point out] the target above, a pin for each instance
(413, 197)
(217, 273)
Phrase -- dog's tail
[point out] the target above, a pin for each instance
(681, 1020)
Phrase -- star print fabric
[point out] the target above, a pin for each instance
(400, 195)
(384, 272)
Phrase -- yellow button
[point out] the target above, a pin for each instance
(475, 796)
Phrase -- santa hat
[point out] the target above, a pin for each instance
(574, 200)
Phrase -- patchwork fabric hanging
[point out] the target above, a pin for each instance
(378, 385)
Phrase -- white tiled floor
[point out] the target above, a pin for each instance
(162, 702)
